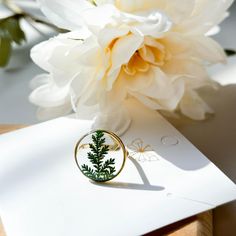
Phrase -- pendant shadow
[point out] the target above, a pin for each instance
(134, 186)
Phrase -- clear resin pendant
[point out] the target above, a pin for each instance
(100, 155)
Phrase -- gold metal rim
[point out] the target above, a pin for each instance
(113, 135)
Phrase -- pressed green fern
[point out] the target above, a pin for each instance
(102, 170)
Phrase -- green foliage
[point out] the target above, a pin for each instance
(10, 32)
(88, 171)
(102, 170)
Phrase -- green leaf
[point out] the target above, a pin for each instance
(10, 31)
(12, 26)
(88, 172)
(5, 49)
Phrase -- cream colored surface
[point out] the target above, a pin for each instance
(194, 226)
(4, 129)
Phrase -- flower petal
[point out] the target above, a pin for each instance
(42, 52)
(53, 112)
(148, 23)
(65, 13)
(185, 67)
(207, 49)
(39, 80)
(123, 49)
(156, 90)
(179, 10)
(49, 95)
(82, 83)
(97, 17)
(193, 106)
(108, 34)
(206, 15)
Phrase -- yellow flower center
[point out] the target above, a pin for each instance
(136, 64)
(148, 55)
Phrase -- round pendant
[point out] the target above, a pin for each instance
(100, 155)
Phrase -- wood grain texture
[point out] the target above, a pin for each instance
(9, 128)
(2, 232)
(200, 225)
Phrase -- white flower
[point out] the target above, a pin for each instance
(155, 51)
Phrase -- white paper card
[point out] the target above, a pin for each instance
(43, 193)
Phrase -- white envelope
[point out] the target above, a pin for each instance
(43, 193)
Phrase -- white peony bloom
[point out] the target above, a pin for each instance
(154, 51)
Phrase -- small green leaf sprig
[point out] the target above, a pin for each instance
(102, 170)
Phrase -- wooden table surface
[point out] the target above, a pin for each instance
(200, 225)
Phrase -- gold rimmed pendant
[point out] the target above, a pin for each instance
(100, 155)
